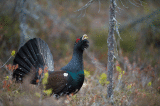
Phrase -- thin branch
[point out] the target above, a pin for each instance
(99, 6)
(133, 3)
(33, 15)
(143, 2)
(80, 14)
(6, 62)
(123, 4)
(115, 42)
(140, 4)
(116, 28)
(118, 6)
(119, 9)
(84, 13)
(97, 64)
(85, 6)
(117, 13)
(142, 19)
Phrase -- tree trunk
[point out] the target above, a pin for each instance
(22, 20)
(110, 41)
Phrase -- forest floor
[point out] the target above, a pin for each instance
(134, 86)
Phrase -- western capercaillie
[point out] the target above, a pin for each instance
(36, 54)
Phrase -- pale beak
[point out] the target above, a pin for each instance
(84, 36)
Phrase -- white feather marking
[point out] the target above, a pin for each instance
(65, 74)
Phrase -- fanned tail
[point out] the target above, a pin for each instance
(34, 54)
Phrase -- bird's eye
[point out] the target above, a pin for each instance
(77, 40)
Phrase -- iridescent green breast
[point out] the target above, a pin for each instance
(78, 79)
(76, 75)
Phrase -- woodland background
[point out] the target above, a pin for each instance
(137, 69)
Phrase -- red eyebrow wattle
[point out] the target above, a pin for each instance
(77, 40)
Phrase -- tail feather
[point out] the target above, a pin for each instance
(38, 56)
(23, 56)
(27, 52)
(24, 71)
(18, 60)
(20, 72)
(33, 54)
(46, 54)
(30, 46)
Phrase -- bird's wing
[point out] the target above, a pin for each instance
(33, 54)
(57, 81)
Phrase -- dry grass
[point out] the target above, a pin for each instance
(136, 87)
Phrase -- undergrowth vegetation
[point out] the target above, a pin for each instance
(132, 86)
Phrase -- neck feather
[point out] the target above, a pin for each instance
(76, 63)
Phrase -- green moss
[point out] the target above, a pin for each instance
(74, 97)
(38, 94)
(103, 79)
(118, 69)
(150, 83)
(48, 92)
(86, 73)
(45, 79)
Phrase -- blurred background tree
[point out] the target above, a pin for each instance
(54, 20)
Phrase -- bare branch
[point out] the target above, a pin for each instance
(117, 13)
(116, 51)
(142, 2)
(6, 62)
(80, 14)
(133, 3)
(138, 3)
(99, 6)
(33, 15)
(116, 28)
(86, 6)
(119, 9)
(118, 6)
(142, 19)
(84, 14)
(123, 4)
(96, 63)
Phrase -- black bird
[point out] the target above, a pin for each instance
(36, 54)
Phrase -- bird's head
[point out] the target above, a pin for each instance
(81, 43)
